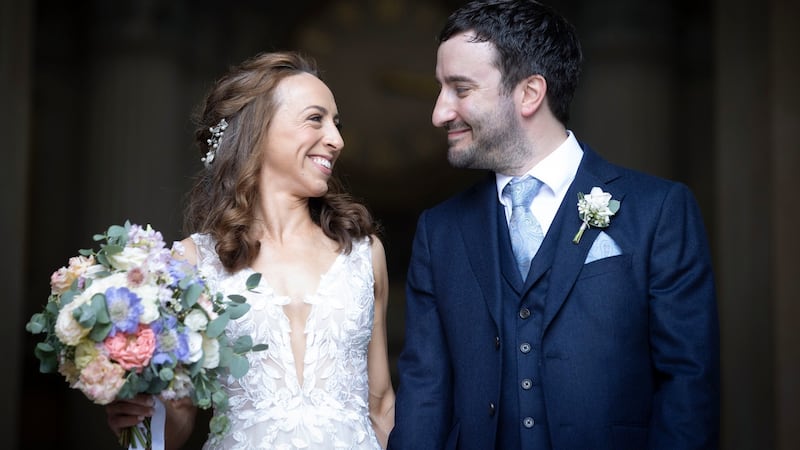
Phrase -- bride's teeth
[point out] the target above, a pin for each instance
(322, 161)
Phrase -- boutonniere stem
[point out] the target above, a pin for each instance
(595, 210)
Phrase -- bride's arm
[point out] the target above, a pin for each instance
(181, 415)
(381, 393)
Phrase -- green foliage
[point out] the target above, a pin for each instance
(217, 326)
(253, 281)
(238, 366)
(191, 294)
(48, 357)
(95, 319)
(237, 310)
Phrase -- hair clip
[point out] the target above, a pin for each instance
(213, 142)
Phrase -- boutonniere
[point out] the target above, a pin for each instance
(595, 210)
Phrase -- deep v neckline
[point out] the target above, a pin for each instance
(323, 278)
(282, 301)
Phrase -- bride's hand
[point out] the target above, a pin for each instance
(121, 414)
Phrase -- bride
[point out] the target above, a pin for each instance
(266, 202)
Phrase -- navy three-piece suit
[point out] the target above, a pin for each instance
(620, 352)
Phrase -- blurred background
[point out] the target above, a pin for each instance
(97, 98)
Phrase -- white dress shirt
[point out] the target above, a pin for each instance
(556, 171)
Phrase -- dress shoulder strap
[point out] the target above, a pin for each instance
(208, 262)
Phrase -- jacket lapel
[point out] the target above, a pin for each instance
(483, 242)
(567, 257)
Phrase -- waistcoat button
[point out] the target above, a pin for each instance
(527, 422)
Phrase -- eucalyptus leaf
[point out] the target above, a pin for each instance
(115, 231)
(37, 324)
(100, 308)
(220, 399)
(113, 249)
(191, 295)
(127, 391)
(67, 297)
(225, 356)
(85, 316)
(156, 385)
(238, 366)
(237, 298)
(166, 374)
(100, 332)
(101, 258)
(253, 281)
(218, 424)
(217, 326)
(243, 344)
(48, 364)
(52, 308)
(43, 348)
(48, 357)
(237, 310)
(259, 347)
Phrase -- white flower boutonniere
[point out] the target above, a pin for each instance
(595, 210)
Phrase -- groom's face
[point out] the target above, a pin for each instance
(480, 119)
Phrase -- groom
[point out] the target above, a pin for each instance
(606, 340)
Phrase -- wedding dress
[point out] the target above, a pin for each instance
(270, 407)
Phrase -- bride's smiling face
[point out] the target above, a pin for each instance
(302, 141)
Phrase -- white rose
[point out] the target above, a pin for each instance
(211, 351)
(149, 295)
(68, 330)
(196, 320)
(597, 199)
(128, 258)
(195, 346)
(100, 286)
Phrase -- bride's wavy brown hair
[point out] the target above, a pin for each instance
(223, 199)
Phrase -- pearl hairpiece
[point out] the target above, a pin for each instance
(213, 142)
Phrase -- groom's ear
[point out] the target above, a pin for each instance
(532, 93)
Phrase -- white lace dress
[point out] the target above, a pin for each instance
(269, 408)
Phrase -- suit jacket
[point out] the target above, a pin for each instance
(630, 343)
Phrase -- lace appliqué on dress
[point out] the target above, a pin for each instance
(270, 408)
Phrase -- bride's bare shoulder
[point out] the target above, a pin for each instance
(189, 248)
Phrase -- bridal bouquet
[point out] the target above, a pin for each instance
(134, 317)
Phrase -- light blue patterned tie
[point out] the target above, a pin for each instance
(526, 233)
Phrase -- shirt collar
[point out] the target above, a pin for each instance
(556, 170)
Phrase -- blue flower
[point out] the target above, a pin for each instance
(172, 345)
(124, 308)
(181, 269)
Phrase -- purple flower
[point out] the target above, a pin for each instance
(172, 345)
(180, 269)
(139, 236)
(124, 308)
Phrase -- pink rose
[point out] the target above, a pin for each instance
(132, 351)
(101, 380)
(61, 280)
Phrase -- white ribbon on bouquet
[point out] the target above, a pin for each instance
(157, 425)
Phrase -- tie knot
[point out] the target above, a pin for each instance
(522, 190)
